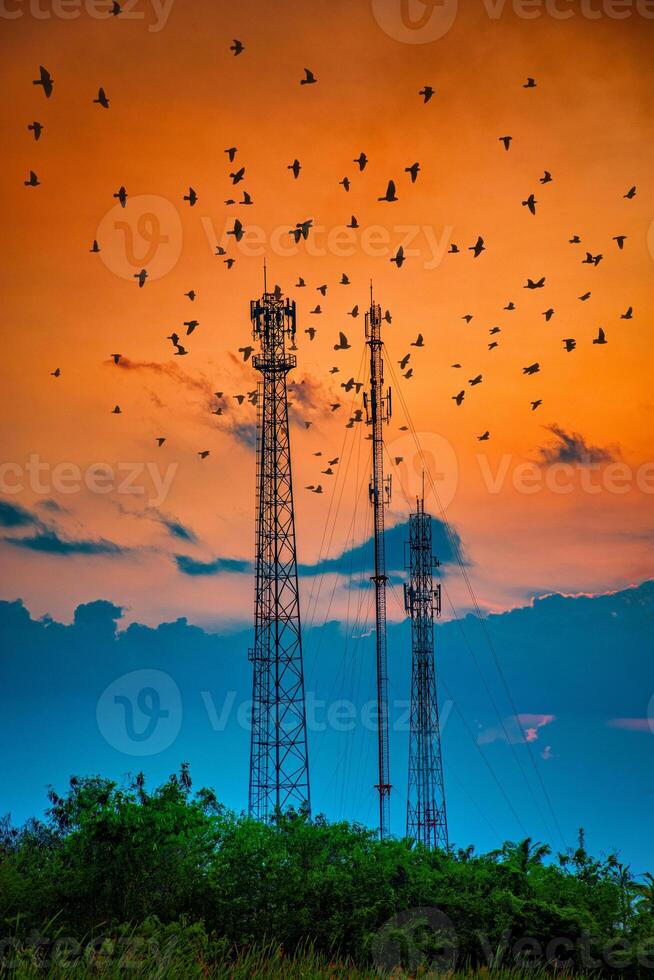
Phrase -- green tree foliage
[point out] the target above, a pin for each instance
(109, 855)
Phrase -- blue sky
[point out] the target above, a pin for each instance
(579, 672)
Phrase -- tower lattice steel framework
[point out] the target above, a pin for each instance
(378, 410)
(279, 765)
(426, 819)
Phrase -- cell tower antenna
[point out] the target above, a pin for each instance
(426, 815)
(378, 410)
(279, 764)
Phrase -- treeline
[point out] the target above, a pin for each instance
(110, 861)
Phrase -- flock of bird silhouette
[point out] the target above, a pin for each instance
(301, 231)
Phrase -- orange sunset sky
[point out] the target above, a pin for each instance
(178, 98)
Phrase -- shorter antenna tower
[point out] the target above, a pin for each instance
(279, 764)
(426, 817)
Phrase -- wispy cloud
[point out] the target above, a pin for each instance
(571, 447)
(192, 566)
(46, 537)
(632, 724)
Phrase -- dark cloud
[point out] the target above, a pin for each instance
(50, 541)
(47, 538)
(191, 566)
(13, 515)
(445, 546)
(174, 526)
(571, 447)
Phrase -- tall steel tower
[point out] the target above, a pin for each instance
(378, 410)
(426, 818)
(279, 765)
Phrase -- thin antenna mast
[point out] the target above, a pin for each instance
(378, 411)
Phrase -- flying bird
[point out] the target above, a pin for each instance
(191, 197)
(546, 178)
(484, 437)
(531, 368)
(601, 337)
(361, 160)
(160, 441)
(46, 81)
(237, 47)
(413, 170)
(122, 195)
(237, 231)
(353, 223)
(141, 276)
(548, 314)
(345, 183)
(190, 326)
(585, 296)
(390, 194)
(32, 181)
(94, 247)
(530, 83)
(116, 358)
(459, 398)
(569, 343)
(475, 381)
(507, 141)
(309, 78)
(238, 175)
(36, 128)
(191, 294)
(530, 203)
(631, 193)
(56, 373)
(203, 453)
(538, 284)
(116, 410)
(344, 281)
(418, 342)
(295, 168)
(427, 92)
(102, 99)
(231, 152)
(399, 258)
(478, 247)
(575, 240)
(628, 315)
(620, 239)
(536, 404)
(342, 342)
